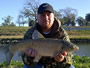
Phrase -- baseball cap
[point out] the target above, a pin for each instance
(45, 7)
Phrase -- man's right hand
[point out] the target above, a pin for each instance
(31, 52)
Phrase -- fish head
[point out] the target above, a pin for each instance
(68, 46)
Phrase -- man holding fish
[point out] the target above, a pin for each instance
(49, 27)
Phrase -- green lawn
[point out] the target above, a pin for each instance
(18, 32)
(78, 62)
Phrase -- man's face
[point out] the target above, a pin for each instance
(46, 19)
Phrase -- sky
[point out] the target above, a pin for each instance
(13, 7)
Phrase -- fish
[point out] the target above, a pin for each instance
(44, 47)
(37, 35)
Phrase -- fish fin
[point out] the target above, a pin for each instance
(4, 49)
(37, 35)
(37, 58)
(9, 56)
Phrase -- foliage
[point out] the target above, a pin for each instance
(81, 21)
(12, 24)
(78, 62)
(21, 20)
(14, 64)
(31, 22)
(87, 17)
(79, 32)
(30, 11)
(7, 21)
(81, 62)
(68, 16)
(57, 14)
(20, 31)
(13, 30)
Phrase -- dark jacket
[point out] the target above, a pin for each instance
(57, 32)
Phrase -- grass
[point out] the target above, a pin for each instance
(81, 62)
(78, 62)
(13, 64)
(80, 37)
(79, 34)
(12, 37)
(18, 32)
(13, 30)
(76, 26)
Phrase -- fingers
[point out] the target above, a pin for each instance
(31, 52)
(64, 53)
(60, 57)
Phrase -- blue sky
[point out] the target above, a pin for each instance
(13, 7)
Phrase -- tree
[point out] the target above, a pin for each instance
(18, 20)
(7, 21)
(81, 21)
(21, 20)
(68, 15)
(87, 17)
(30, 11)
(31, 22)
(12, 24)
(57, 14)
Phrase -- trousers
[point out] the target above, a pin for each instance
(39, 66)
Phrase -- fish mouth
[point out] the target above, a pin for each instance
(76, 48)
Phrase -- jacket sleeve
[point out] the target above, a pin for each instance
(27, 59)
(66, 36)
(68, 58)
(67, 62)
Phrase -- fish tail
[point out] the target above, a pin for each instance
(7, 52)
(4, 48)
(9, 56)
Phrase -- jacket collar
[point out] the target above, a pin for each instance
(55, 27)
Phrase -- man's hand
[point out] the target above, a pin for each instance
(31, 52)
(60, 57)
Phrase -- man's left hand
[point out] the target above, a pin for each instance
(60, 57)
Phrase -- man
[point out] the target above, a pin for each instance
(49, 27)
